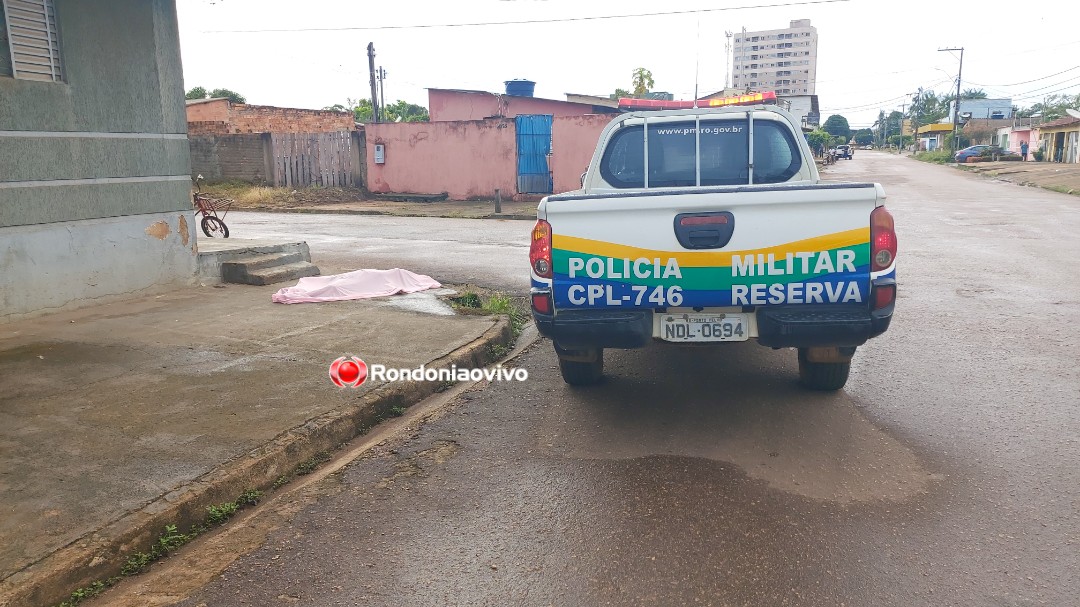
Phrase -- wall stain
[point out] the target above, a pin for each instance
(183, 230)
(158, 229)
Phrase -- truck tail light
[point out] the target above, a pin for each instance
(540, 249)
(882, 240)
(884, 296)
(541, 302)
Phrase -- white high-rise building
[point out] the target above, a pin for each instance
(784, 60)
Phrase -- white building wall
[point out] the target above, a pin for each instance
(781, 60)
(53, 266)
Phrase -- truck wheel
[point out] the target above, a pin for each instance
(577, 372)
(827, 377)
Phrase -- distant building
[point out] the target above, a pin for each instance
(983, 109)
(782, 60)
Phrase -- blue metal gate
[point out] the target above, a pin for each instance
(533, 147)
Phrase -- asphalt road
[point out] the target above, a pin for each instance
(946, 473)
(489, 252)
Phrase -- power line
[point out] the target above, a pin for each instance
(526, 21)
(1027, 81)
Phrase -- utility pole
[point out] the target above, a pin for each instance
(371, 70)
(382, 90)
(956, 109)
(916, 104)
(900, 146)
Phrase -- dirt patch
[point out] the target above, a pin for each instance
(248, 196)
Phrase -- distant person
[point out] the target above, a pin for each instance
(1023, 150)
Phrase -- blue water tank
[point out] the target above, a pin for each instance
(520, 88)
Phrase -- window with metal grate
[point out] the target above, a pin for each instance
(31, 41)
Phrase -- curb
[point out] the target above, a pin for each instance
(99, 554)
(312, 211)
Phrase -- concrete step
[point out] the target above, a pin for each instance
(282, 273)
(258, 262)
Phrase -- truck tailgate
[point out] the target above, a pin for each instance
(712, 247)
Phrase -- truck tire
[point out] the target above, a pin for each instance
(577, 373)
(826, 377)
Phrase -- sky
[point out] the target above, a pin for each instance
(872, 54)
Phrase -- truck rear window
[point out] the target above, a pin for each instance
(724, 154)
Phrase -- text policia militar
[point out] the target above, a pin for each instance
(808, 264)
(451, 373)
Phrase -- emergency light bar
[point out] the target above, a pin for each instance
(626, 103)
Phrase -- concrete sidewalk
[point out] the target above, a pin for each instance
(119, 419)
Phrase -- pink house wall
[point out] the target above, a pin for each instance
(467, 160)
(446, 105)
(574, 141)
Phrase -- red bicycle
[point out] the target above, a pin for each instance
(212, 225)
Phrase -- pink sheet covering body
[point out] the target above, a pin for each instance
(360, 284)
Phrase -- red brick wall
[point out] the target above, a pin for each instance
(267, 119)
(221, 117)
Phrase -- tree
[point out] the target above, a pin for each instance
(403, 111)
(620, 94)
(643, 82)
(819, 140)
(230, 95)
(1052, 107)
(197, 92)
(863, 136)
(973, 94)
(837, 126)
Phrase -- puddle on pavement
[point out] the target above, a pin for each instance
(427, 302)
(814, 445)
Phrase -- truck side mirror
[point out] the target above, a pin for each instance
(583, 178)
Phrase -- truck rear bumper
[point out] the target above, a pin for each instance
(799, 326)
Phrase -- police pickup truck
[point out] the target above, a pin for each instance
(705, 226)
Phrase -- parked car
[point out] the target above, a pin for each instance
(964, 154)
(844, 151)
(982, 150)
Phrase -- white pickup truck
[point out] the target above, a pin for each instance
(709, 226)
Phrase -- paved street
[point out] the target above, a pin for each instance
(489, 252)
(946, 473)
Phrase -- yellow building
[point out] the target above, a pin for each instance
(1059, 140)
(934, 136)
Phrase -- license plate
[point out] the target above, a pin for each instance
(692, 327)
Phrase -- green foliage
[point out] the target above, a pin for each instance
(818, 140)
(310, 465)
(973, 94)
(403, 111)
(837, 126)
(468, 299)
(1052, 107)
(232, 96)
(197, 92)
(642, 82)
(1038, 155)
(397, 411)
(166, 543)
(249, 497)
(863, 136)
(220, 513)
(620, 94)
(498, 303)
(936, 156)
